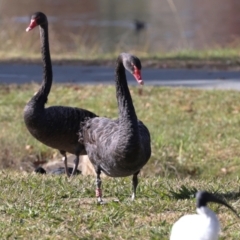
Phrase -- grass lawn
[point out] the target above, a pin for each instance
(217, 58)
(16, 44)
(195, 145)
(51, 207)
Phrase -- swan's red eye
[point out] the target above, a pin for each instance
(32, 25)
(137, 75)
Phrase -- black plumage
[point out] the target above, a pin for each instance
(55, 126)
(119, 147)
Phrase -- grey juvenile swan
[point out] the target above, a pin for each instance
(55, 126)
(118, 147)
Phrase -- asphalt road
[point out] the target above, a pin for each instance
(194, 78)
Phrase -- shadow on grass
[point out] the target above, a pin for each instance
(183, 193)
(190, 192)
(229, 195)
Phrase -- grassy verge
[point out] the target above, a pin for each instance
(194, 132)
(218, 58)
(46, 207)
(84, 46)
(195, 145)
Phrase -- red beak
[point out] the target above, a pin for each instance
(137, 75)
(32, 25)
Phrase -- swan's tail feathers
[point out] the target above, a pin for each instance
(83, 126)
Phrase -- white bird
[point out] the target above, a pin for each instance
(202, 226)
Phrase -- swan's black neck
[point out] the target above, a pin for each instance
(127, 114)
(40, 98)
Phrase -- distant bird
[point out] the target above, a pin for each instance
(202, 226)
(55, 126)
(57, 171)
(139, 25)
(118, 147)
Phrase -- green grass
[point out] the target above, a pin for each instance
(46, 207)
(16, 44)
(213, 58)
(194, 132)
(195, 145)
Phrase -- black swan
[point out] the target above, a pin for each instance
(118, 147)
(55, 126)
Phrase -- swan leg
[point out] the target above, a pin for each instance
(76, 162)
(98, 187)
(134, 184)
(65, 162)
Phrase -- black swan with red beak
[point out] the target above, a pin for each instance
(55, 126)
(120, 147)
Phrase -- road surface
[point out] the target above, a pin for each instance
(198, 78)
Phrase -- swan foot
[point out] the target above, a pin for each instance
(100, 201)
(76, 162)
(99, 195)
(98, 188)
(133, 196)
(64, 159)
(134, 184)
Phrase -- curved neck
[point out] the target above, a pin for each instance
(208, 213)
(127, 114)
(42, 94)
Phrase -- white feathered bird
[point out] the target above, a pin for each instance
(202, 226)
